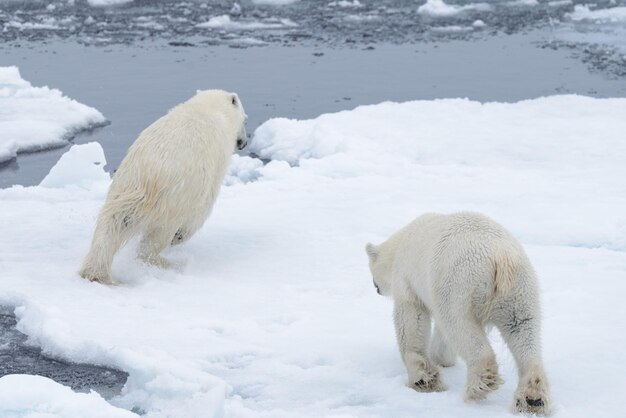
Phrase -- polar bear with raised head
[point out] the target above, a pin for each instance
(166, 184)
(465, 271)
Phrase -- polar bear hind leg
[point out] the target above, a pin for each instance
(154, 241)
(180, 236)
(519, 324)
(440, 350)
(185, 232)
(112, 231)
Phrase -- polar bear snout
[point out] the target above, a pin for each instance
(242, 143)
(377, 288)
(242, 135)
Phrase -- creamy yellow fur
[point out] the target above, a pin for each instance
(165, 187)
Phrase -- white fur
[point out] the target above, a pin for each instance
(465, 271)
(165, 187)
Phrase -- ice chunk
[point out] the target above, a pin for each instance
(437, 8)
(243, 170)
(274, 2)
(23, 396)
(613, 14)
(36, 118)
(82, 165)
(107, 2)
(226, 23)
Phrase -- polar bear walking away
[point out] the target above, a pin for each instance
(165, 187)
(465, 271)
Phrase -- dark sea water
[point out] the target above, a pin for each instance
(136, 60)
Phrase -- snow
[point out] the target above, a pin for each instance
(519, 3)
(613, 14)
(274, 2)
(270, 311)
(107, 2)
(35, 118)
(559, 3)
(47, 24)
(24, 396)
(451, 29)
(437, 8)
(345, 3)
(478, 24)
(225, 22)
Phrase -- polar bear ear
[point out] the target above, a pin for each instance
(233, 99)
(372, 252)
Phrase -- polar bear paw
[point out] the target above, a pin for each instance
(157, 261)
(480, 384)
(532, 395)
(427, 381)
(95, 276)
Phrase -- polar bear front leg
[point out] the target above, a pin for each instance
(468, 336)
(412, 323)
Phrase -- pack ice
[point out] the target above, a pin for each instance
(271, 311)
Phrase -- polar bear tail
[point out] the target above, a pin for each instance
(507, 266)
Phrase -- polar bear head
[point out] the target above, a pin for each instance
(380, 268)
(230, 107)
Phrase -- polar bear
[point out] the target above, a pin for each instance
(166, 184)
(465, 271)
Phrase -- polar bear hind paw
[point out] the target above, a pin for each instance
(157, 261)
(533, 398)
(93, 276)
(428, 383)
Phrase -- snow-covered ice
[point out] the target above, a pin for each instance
(39, 397)
(35, 118)
(345, 3)
(438, 8)
(274, 2)
(527, 3)
(46, 24)
(225, 22)
(271, 311)
(81, 167)
(612, 14)
(107, 2)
